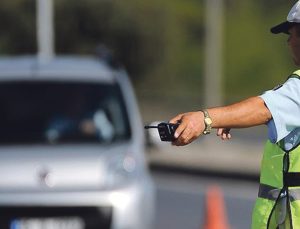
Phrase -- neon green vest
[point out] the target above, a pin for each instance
(278, 202)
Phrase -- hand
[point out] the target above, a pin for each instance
(191, 127)
(224, 133)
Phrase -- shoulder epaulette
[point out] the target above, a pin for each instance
(295, 74)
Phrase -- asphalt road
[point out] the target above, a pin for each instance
(181, 200)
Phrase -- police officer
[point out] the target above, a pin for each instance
(278, 202)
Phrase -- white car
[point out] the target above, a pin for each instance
(71, 147)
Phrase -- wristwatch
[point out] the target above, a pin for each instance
(207, 122)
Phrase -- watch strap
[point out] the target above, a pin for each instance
(207, 122)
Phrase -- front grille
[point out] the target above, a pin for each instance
(93, 217)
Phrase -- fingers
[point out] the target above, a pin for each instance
(224, 133)
(220, 131)
(182, 135)
(191, 126)
(180, 129)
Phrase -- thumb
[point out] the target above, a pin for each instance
(176, 119)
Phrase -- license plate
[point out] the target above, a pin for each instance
(48, 223)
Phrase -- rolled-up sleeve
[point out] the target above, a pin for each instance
(284, 105)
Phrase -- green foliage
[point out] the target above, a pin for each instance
(255, 59)
(17, 23)
(161, 42)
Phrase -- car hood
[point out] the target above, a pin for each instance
(55, 167)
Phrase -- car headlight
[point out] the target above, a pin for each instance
(120, 170)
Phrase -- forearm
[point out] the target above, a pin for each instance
(247, 113)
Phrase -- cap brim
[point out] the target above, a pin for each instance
(282, 28)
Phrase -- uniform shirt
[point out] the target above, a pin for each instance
(284, 105)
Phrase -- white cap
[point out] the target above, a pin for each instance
(292, 18)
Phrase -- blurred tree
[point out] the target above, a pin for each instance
(255, 59)
(161, 42)
(17, 23)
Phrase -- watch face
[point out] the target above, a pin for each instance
(208, 121)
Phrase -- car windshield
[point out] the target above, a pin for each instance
(60, 112)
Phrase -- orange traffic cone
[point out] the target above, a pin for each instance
(215, 217)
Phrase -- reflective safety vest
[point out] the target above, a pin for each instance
(278, 202)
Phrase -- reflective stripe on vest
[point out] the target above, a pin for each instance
(272, 193)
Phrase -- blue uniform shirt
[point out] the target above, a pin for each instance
(284, 105)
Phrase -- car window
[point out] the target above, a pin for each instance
(61, 112)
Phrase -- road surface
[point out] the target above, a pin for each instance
(181, 200)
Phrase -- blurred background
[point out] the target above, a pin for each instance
(180, 56)
(162, 44)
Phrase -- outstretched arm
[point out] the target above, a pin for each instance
(247, 113)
